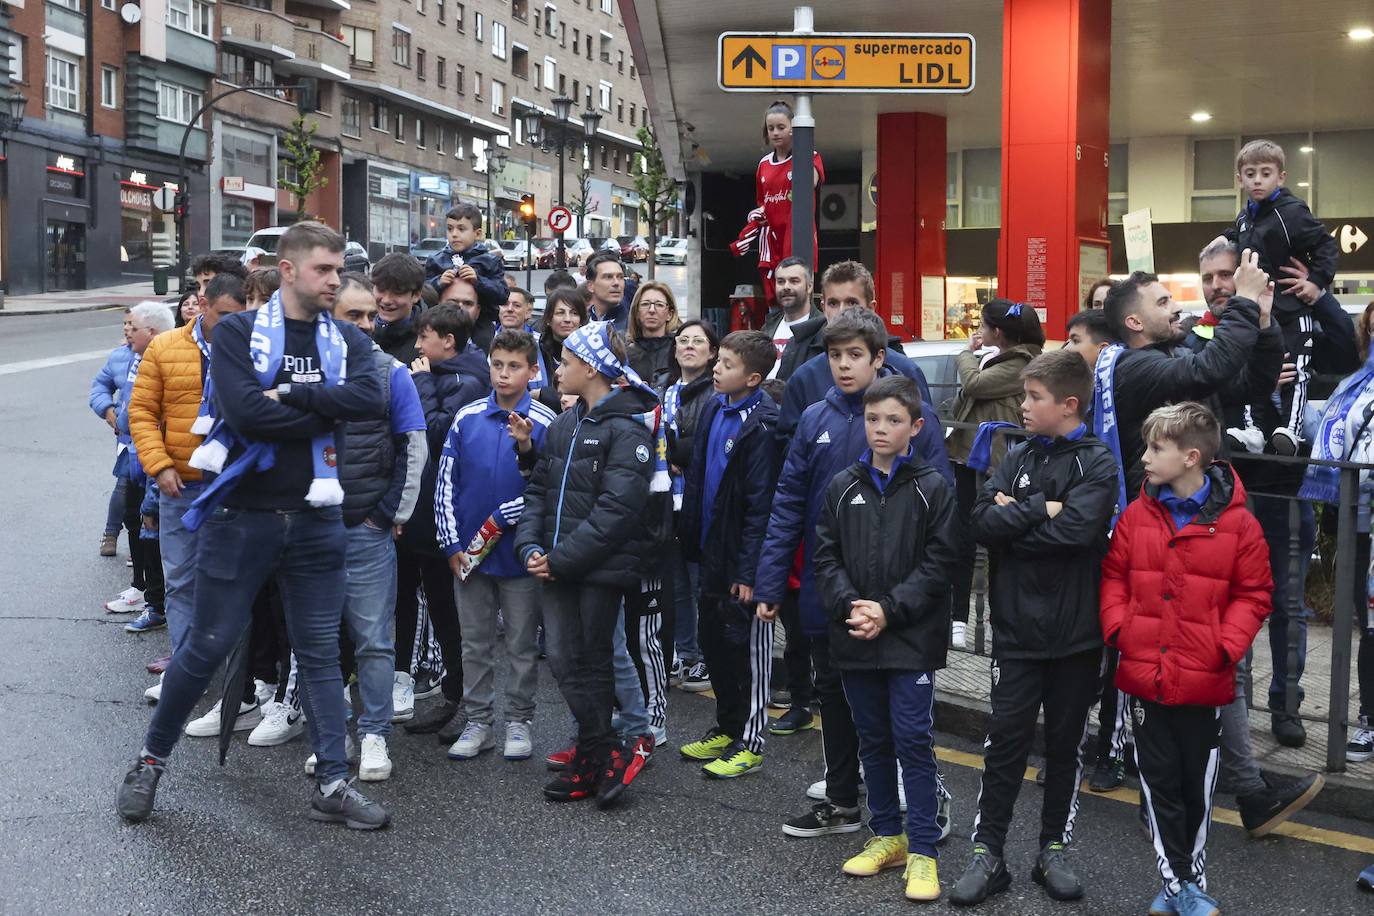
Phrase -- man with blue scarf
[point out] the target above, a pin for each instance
(283, 379)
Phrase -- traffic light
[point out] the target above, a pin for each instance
(527, 211)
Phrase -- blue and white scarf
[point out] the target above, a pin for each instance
(1105, 425)
(205, 416)
(672, 403)
(1333, 434)
(591, 343)
(980, 453)
(134, 467)
(266, 348)
(542, 375)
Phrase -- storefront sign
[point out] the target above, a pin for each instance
(845, 62)
(434, 185)
(65, 175)
(233, 183)
(135, 198)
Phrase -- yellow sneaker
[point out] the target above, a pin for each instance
(922, 881)
(735, 760)
(708, 748)
(880, 852)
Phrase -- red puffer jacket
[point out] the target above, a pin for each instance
(1183, 606)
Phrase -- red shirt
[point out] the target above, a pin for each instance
(773, 192)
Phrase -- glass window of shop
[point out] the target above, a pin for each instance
(148, 235)
(982, 179)
(1214, 181)
(1118, 181)
(388, 212)
(1340, 173)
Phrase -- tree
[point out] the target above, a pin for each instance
(657, 191)
(582, 202)
(303, 164)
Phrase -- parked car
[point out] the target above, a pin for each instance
(267, 239)
(356, 259)
(515, 254)
(546, 253)
(936, 359)
(425, 249)
(579, 250)
(671, 251)
(633, 248)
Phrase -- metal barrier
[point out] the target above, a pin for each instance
(1344, 604)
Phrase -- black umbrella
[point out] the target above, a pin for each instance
(235, 677)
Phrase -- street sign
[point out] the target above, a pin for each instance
(165, 199)
(560, 219)
(846, 62)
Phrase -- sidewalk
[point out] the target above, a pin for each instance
(86, 300)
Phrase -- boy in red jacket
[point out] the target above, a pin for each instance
(1185, 588)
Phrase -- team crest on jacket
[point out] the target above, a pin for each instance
(331, 457)
(1139, 712)
(642, 453)
(729, 444)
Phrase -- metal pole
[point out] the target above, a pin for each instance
(560, 255)
(803, 147)
(490, 228)
(529, 257)
(1344, 604)
(1293, 601)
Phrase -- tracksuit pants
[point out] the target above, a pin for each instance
(1067, 688)
(415, 570)
(894, 714)
(650, 624)
(1176, 751)
(738, 649)
(1113, 713)
(838, 738)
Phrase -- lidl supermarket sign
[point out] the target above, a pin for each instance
(845, 62)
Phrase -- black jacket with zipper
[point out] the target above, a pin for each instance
(588, 506)
(805, 343)
(896, 547)
(695, 395)
(1285, 228)
(1045, 572)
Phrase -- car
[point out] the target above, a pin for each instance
(267, 239)
(579, 250)
(671, 251)
(515, 254)
(936, 360)
(633, 248)
(356, 259)
(425, 249)
(545, 253)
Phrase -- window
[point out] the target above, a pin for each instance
(550, 74)
(982, 188)
(380, 117)
(190, 16)
(420, 7)
(632, 114)
(109, 4)
(550, 19)
(460, 12)
(458, 145)
(351, 116)
(69, 4)
(519, 130)
(520, 63)
(620, 110)
(359, 43)
(951, 190)
(589, 46)
(498, 97)
(477, 20)
(1117, 181)
(606, 48)
(1342, 166)
(458, 78)
(563, 83)
(604, 158)
(615, 159)
(605, 99)
(1214, 182)
(538, 79)
(632, 71)
(177, 103)
(400, 46)
(520, 9)
(17, 49)
(477, 85)
(498, 40)
(441, 72)
(64, 81)
(420, 133)
(577, 92)
(109, 87)
(439, 10)
(607, 6)
(577, 39)
(562, 34)
(399, 131)
(620, 62)
(439, 140)
(420, 63)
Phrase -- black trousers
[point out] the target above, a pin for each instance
(838, 737)
(961, 576)
(738, 649)
(145, 552)
(430, 571)
(1066, 688)
(1176, 751)
(269, 648)
(579, 637)
(796, 655)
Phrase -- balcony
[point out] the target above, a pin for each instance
(317, 54)
(264, 33)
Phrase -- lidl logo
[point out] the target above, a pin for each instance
(827, 62)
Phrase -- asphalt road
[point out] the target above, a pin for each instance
(475, 837)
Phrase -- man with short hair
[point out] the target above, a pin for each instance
(606, 286)
(516, 311)
(792, 283)
(205, 267)
(284, 377)
(397, 280)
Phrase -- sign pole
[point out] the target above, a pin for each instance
(803, 151)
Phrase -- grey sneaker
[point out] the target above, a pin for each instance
(476, 738)
(136, 794)
(985, 875)
(349, 807)
(1052, 873)
(519, 741)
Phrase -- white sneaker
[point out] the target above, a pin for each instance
(130, 601)
(403, 698)
(1284, 441)
(519, 741)
(1245, 437)
(375, 765)
(154, 693)
(944, 810)
(816, 791)
(264, 691)
(207, 726)
(350, 753)
(280, 723)
(475, 739)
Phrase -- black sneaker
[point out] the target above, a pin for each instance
(1109, 774)
(1288, 729)
(576, 781)
(453, 728)
(427, 684)
(615, 777)
(986, 875)
(347, 806)
(1053, 874)
(139, 789)
(1361, 746)
(1262, 812)
(435, 718)
(795, 720)
(698, 679)
(823, 820)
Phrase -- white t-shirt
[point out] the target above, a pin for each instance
(781, 335)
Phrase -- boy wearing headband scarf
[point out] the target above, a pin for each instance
(585, 533)
(283, 378)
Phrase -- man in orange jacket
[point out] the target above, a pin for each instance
(163, 408)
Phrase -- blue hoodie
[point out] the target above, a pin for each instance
(109, 382)
(479, 475)
(829, 438)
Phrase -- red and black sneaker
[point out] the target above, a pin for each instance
(578, 780)
(638, 753)
(559, 760)
(616, 777)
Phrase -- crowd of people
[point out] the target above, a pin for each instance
(400, 481)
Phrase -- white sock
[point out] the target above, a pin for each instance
(335, 786)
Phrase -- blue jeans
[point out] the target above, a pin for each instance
(688, 577)
(238, 550)
(114, 513)
(633, 720)
(368, 611)
(178, 561)
(1273, 518)
(894, 715)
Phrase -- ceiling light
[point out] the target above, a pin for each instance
(1201, 116)
(1304, 149)
(1361, 34)
(1304, 184)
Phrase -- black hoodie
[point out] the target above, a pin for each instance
(1284, 228)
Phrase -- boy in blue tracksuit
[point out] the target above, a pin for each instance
(464, 259)
(725, 504)
(829, 438)
(479, 497)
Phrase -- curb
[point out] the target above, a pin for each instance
(64, 310)
(1344, 795)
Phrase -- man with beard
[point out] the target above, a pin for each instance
(792, 281)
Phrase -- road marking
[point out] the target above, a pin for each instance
(48, 362)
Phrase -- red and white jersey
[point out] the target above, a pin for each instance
(773, 193)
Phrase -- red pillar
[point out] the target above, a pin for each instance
(911, 223)
(1056, 68)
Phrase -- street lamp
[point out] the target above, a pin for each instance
(591, 120)
(534, 121)
(12, 113)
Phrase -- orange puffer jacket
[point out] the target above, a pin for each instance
(164, 404)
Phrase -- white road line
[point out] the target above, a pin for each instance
(47, 363)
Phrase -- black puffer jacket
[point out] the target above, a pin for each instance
(695, 395)
(588, 499)
(1045, 572)
(367, 476)
(893, 546)
(652, 358)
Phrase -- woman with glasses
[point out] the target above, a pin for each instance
(653, 321)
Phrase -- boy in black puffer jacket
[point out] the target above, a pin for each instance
(885, 544)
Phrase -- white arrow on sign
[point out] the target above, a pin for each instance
(1352, 238)
(560, 219)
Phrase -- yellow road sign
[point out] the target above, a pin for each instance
(845, 62)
